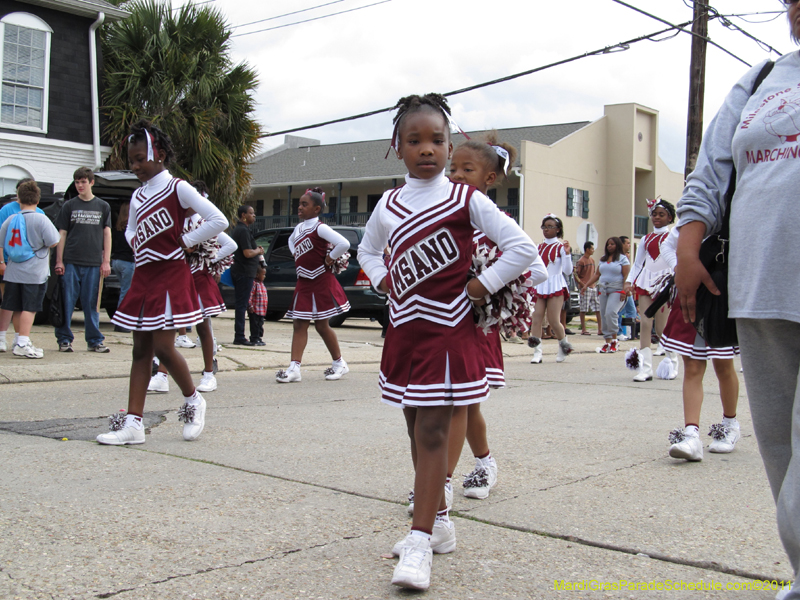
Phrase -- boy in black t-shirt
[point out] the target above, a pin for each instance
(82, 256)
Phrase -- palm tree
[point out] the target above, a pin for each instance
(174, 69)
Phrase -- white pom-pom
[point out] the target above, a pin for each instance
(632, 359)
(666, 369)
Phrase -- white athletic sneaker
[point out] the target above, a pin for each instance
(443, 540)
(413, 570)
(725, 437)
(482, 479)
(194, 419)
(158, 384)
(537, 355)
(121, 437)
(335, 372)
(208, 383)
(623, 338)
(685, 445)
(27, 351)
(3, 346)
(288, 376)
(183, 341)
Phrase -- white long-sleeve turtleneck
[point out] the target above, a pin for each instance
(340, 243)
(214, 221)
(519, 252)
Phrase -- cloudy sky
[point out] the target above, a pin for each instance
(366, 59)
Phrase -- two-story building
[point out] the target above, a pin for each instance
(50, 120)
(595, 175)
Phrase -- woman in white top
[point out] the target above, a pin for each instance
(550, 294)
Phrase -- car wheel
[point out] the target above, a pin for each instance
(337, 320)
(273, 316)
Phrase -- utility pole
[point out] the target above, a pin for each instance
(697, 85)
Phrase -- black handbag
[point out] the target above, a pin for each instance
(56, 312)
(711, 312)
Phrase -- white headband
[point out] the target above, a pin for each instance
(502, 153)
(147, 136)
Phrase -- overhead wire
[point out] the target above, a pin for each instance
(730, 25)
(296, 12)
(312, 19)
(619, 47)
(706, 38)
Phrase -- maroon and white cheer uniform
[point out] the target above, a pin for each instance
(208, 294)
(318, 295)
(558, 263)
(162, 293)
(432, 355)
(650, 265)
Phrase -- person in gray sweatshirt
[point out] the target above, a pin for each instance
(757, 132)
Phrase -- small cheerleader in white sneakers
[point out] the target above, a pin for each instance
(318, 295)
(551, 294)
(682, 338)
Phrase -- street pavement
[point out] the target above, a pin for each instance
(298, 490)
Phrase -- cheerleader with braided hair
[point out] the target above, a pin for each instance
(550, 294)
(431, 359)
(162, 296)
(318, 295)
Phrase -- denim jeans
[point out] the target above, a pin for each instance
(81, 283)
(124, 272)
(242, 286)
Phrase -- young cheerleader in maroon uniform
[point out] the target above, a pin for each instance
(682, 338)
(318, 295)
(645, 277)
(550, 294)
(162, 296)
(431, 360)
(482, 164)
(206, 262)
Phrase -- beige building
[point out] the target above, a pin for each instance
(595, 175)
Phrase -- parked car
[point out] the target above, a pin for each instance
(281, 277)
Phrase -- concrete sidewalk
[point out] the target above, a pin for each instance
(297, 491)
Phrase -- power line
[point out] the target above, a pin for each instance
(286, 14)
(730, 25)
(620, 47)
(709, 40)
(193, 4)
(313, 19)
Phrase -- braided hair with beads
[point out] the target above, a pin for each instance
(414, 103)
(144, 131)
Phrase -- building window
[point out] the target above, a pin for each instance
(577, 203)
(295, 206)
(332, 202)
(260, 208)
(353, 204)
(276, 207)
(513, 196)
(640, 225)
(372, 201)
(25, 57)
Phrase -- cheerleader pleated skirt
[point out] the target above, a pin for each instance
(683, 338)
(162, 296)
(428, 364)
(210, 298)
(492, 350)
(317, 299)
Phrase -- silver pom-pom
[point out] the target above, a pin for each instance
(186, 413)
(281, 374)
(510, 308)
(533, 341)
(718, 431)
(340, 264)
(632, 359)
(478, 478)
(205, 253)
(328, 371)
(676, 436)
(117, 420)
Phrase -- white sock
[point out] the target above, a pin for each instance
(443, 517)
(294, 365)
(2, 336)
(133, 421)
(730, 422)
(22, 340)
(422, 534)
(193, 399)
(16, 337)
(338, 362)
(208, 373)
(691, 431)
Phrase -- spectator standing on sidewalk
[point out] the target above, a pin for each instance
(26, 276)
(584, 271)
(243, 272)
(82, 256)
